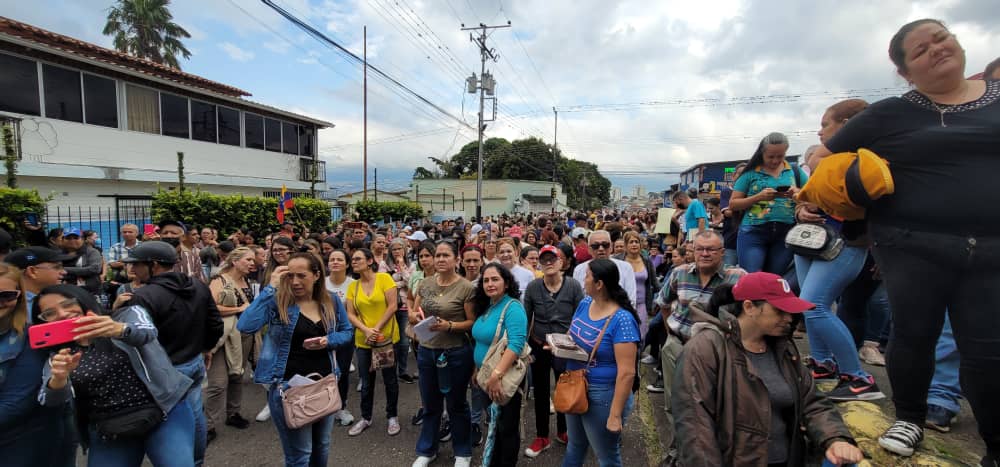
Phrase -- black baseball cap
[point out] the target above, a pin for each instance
(35, 255)
(165, 223)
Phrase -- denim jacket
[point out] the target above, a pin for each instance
(19, 369)
(149, 361)
(278, 340)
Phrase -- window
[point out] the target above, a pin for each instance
(272, 130)
(174, 115)
(289, 134)
(229, 126)
(143, 108)
(254, 130)
(203, 121)
(62, 93)
(101, 101)
(19, 86)
(306, 141)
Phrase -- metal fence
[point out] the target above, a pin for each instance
(106, 220)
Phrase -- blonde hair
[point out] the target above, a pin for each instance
(234, 256)
(20, 314)
(285, 298)
(631, 234)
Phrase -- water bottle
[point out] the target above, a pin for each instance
(444, 382)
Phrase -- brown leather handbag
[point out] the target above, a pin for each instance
(571, 390)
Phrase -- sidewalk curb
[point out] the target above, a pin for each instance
(649, 432)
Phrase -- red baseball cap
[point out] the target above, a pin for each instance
(550, 249)
(772, 289)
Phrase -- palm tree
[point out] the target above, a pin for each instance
(145, 29)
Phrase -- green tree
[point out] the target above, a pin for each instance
(422, 174)
(145, 29)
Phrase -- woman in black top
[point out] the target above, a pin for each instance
(549, 302)
(936, 239)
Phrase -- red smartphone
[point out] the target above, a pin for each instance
(148, 229)
(52, 334)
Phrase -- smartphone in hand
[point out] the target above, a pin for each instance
(51, 334)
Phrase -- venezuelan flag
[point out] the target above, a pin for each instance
(285, 201)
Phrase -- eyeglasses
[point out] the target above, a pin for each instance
(280, 251)
(702, 249)
(600, 245)
(9, 295)
(50, 314)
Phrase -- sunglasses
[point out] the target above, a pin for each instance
(9, 295)
(600, 245)
(547, 260)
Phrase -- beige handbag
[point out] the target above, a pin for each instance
(305, 404)
(511, 380)
(231, 338)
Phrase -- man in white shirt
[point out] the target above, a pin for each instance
(600, 246)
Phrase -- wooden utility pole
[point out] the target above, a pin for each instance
(364, 55)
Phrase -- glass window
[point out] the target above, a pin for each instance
(19, 86)
(229, 126)
(203, 121)
(254, 130)
(290, 136)
(175, 115)
(62, 93)
(101, 101)
(306, 140)
(143, 107)
(272, 128)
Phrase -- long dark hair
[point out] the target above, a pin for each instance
(757, 159)
(271, 263)
(466, 249)
(482, 301)
(606, 271)
(430, 247)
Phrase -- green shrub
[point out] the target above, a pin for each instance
(230, 212)
(372, 211)
(16, 204)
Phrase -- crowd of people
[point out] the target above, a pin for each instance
(167, 324)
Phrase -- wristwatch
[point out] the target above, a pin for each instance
(126, 331)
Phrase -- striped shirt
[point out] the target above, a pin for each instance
(684, 286)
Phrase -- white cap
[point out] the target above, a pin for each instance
(408, 228)
(418, 236)
(578, 232)
(476, 229)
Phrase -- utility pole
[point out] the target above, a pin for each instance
(555, 159)
(486, 85)
(364, 54)
(376, 184)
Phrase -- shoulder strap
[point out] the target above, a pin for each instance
(600, 337)
(503, 314)
(797, 173)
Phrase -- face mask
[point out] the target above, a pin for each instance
(174, 242)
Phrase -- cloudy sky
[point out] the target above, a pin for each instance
(642, 87)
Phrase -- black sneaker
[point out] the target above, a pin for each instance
(939, 418)
(406, 378)
(901, 438)
(851, 388)
(210, 436)
(656, 387)
(237, 421)
(445, 434)
(821, 371)
(418, 418)
(477, 434)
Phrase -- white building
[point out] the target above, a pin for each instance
(96, 127)
(458, 197)
(616, 193)
(639, 191)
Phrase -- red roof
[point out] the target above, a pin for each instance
(112, 57)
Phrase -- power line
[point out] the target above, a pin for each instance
(743, 100)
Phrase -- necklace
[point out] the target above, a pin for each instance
(950, 107)
(756, 349)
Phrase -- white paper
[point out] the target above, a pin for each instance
(423, 329)
(299, 380)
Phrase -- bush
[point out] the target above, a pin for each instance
(16, 204)
(230, 212)
(372, 211)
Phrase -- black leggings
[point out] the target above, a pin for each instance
(507, 437)
(545, 363)
(926, 274)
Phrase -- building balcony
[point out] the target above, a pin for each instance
(307, 172)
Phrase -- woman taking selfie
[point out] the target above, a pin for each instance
(445, 360)
(742, 394)
(371, 307)
(119, 373)
(604, 320)
(305, 325)
(496, 299)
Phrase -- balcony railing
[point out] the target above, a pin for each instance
(306, 172)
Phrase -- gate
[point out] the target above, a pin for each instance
(136, 210)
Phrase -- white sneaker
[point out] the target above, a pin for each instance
(359, 427)
(264, 414)
(353, 368)
(648, 360)
(343, 417)
(463, 461)
(424, 461)
(359, 386)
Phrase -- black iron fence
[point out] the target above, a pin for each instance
(105, 220)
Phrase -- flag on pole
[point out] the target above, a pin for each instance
(285, 201)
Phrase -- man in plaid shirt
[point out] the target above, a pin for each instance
(122, 250)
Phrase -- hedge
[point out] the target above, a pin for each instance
(372, 211)
(16, 204)
(230, 212)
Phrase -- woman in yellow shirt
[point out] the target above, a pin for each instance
(371, 308)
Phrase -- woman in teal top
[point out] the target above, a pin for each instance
(498, 290)
(765, 191)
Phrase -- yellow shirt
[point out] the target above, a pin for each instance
(370, 308)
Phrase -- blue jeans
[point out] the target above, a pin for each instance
(171, 444)
(730, 258)
(389, 379)
(479, 403)
(589, 430)
(822, 282)
(945, 390)
(762, 248)
(403, 346)
(458, 373)
(306, 446)
(195, 369)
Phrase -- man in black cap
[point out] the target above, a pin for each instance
(186, 318)
(40, 267)
(188, 262)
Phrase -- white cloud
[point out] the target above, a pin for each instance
(235, 52)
